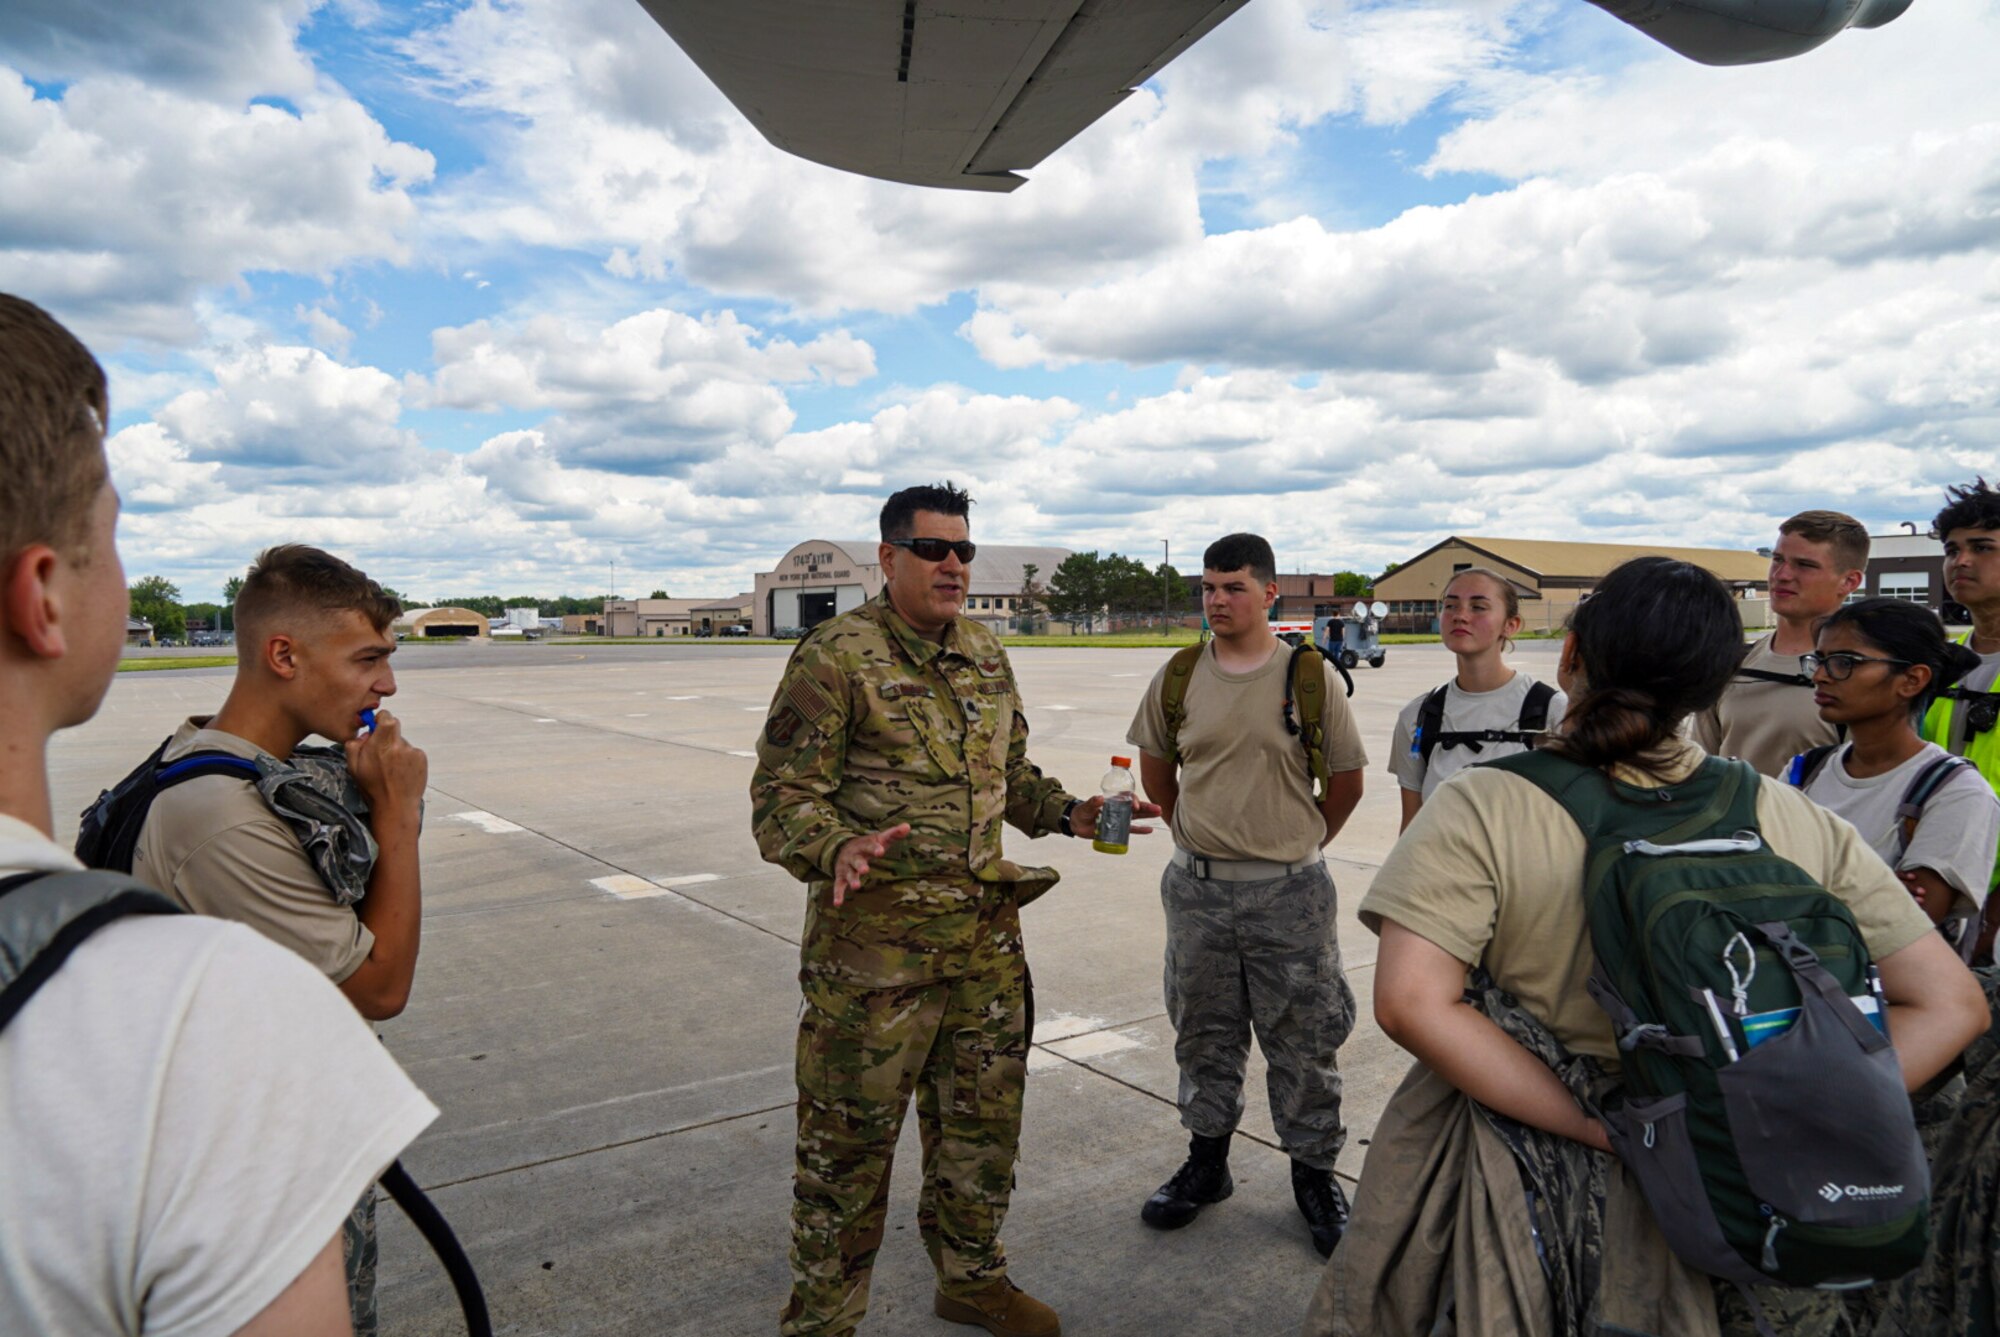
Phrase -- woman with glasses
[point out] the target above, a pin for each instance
(1878, 665)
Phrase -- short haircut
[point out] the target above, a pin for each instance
(1844, 535)
(899, 513)
(1242, 552)
(53, 409)
(293, 579)
(1972, 506)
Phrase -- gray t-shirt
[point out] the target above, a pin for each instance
(1464, 712)
(1955, 838)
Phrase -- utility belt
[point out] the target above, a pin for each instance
(1239, 870)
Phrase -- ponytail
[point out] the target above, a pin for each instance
(1658, 640)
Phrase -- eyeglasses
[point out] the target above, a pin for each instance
(933, 550)
(1840, 664)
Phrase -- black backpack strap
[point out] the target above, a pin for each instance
(197, 764)
(1770, 675)
(46, 916)
(1535, 708)
(1430, 723)
(1929, 780)
(437, 1233)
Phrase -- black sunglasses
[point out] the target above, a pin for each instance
(933, 550)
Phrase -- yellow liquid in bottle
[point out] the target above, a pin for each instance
(1103, 848)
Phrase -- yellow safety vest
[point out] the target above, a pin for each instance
(1944, 724)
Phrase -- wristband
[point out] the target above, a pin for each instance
(1069, 808)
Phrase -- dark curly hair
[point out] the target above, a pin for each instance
(1973, 505)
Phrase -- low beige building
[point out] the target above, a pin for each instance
(710, 618)
(442, 623)
(650, 617)
(822, 577)
(1551, 576)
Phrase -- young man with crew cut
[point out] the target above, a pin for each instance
(189, 1110)
(288, 850)
(1767, 716)
(1253, 791)
(1965, 720)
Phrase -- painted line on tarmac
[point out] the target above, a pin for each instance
(603, 862)
(487, 822)
(608, 1146)
(738, 752)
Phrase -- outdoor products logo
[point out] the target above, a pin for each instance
(1835, 1192)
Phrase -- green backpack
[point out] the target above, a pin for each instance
(1764, 1113)
(1305, 689)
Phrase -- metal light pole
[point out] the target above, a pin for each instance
(1166, 561)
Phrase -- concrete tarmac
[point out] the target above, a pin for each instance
(606, 1004)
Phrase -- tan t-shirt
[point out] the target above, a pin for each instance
(1491, 870)
(1244, 793)
(1764, 723)
(214, 845)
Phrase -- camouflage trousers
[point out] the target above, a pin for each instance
(358, 1252)
(1262, 956)
(961, 1047)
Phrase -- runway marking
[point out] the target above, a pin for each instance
(487, 822)
(683, 698)
(1041, 1060)
(629, 886)
(635, 714)
(688, 879)
(1058, 707)
(1063, 1025)
(1128, 675)
(738, 752)
(545, 719)
(755, 710)
(1095, 1045)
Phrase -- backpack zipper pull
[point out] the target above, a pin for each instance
(1778, 1223)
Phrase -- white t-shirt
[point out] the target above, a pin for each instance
(1464, 712)
(188, 1113)
(1955, 838)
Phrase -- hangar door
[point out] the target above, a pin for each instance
(815, 609)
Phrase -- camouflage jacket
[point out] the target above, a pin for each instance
(873, 725)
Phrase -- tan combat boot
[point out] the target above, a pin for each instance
(1003, 1309)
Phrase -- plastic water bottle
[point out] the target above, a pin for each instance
(1114, 819)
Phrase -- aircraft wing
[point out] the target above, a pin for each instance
(956, 93)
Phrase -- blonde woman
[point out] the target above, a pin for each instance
(1487, 710)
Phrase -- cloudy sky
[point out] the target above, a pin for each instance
(487, 296)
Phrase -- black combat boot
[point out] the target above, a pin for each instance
(1203, 1179)
(1322, 1204)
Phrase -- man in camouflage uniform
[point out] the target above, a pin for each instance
(894, 748)
(1249, 902)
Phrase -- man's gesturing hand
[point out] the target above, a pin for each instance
(851, 864)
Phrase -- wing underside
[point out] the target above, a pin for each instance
(957, 93)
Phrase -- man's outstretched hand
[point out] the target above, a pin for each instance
(1083, 821)
(851, 864)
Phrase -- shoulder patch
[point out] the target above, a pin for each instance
(806, 697)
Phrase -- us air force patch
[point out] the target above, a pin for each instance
(782, 727)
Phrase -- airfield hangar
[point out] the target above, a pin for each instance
(822, 577)
(425, 624)
(1552, 577)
